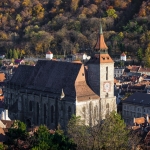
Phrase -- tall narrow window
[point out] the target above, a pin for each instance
(107, 108)
(30, 105)
(45, 114)
(69, 113)
(106, 73)
(37, 114)
(52, 114)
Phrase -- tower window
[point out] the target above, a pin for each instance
(30, 106)
(106, 73)
(52, 114)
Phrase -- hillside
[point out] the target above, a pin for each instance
(69, 26)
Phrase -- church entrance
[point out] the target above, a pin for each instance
(28, 123)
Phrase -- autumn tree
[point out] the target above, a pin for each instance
(74, 4)
(147, 56)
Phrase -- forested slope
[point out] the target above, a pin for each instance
(34, 26)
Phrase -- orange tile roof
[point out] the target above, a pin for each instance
(100, 44)
(139, 120)
(49, 52)
(123, 54)
(2, 77)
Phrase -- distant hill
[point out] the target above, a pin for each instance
(68, 26)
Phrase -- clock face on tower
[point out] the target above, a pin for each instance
(106, 86)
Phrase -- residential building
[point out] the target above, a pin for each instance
(118, 72)
(135, 106)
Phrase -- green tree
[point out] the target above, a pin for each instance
(43, 139)
(140, 55)
(147, 56)
(15, 54)
(108, 134)
(17, 132)
(10, 54)
(111, 13)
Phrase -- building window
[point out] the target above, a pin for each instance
(37, 112)
(84, 112)
(30, 105)
(106, 73)
(69, 113)
(52, 114)
(45, 114)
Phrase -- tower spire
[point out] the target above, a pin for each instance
(100, 28)
(100, 44)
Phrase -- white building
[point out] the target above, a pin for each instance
(49, 55)
(123, 57)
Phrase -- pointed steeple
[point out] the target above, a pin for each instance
(100, 44)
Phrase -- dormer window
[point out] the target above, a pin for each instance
(82, 74)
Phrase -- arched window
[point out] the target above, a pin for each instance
(90, 113)
(45, 114)
(37, 112)
(30, 105)
(52, 114)
(69, 113)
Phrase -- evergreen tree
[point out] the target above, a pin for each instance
(147, 56)
(15, 55)
(10, 54)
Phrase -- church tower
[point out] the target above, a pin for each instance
(101, 75)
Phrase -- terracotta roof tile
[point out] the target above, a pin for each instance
(83, 92)
(49, 52)
(123, 54)
(140, 120)
(100, 44)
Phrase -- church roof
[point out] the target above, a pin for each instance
(53, 76)
(100, 44)
(22, 75)
(84, 92)
(100, 58)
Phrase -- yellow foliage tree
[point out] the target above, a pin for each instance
(74, 5)
(26, 2)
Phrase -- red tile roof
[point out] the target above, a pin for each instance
(123, 54)
(49, 52)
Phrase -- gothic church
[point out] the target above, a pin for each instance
(50, 92)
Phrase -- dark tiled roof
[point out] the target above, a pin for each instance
(138, 99)
(53, 76)
(22, 75)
